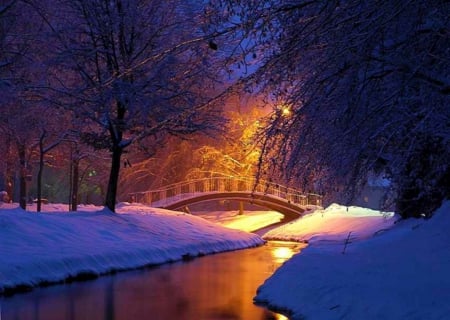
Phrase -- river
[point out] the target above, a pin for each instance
(220, 286)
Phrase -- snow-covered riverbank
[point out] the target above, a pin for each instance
(401, 273)
(56, 245)
(359, 264)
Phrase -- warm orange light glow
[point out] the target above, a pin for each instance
(282, 253)
(280, 317)
(285, 111)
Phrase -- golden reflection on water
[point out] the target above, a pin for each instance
(219, 286)
(282, 253)
(280, 317)
(283, 250)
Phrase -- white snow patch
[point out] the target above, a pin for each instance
(54, 245)
(334, 224)
(402, 273)
(391, 268)
(249, 221)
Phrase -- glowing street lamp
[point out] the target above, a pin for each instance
(285, 111)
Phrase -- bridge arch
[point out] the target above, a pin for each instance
(288, 201)
(267, 201)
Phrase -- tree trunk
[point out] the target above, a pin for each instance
(74, 184)
(110, 202)
(39, 175)
(10, 173)
(10, 186)
(116, 132)
(22, 178)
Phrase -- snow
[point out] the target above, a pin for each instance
(359, 263)
(249, 222)
(334, 224)
(402, 273)
(56, 245)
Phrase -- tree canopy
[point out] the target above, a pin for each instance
(118, 73)
(367, 83)
(131, 70)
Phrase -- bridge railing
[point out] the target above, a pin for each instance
(189, 189)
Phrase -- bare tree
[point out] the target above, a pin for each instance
(51, 134)
(20, 139)
(5, 87)
(19, 65)
(233, 154)
(367, 84)
(7, 53)
(136, 69)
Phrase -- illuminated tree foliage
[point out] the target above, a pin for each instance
(231, 153)
(368, 86)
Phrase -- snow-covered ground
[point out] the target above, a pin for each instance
(402, 273)
(359, 264)
(249, 222)
(334, 224)
(52, 246)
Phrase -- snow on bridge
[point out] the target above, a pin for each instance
(288, 201)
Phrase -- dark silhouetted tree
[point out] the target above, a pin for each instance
(133, 70)
(20, 66)
(368, 86)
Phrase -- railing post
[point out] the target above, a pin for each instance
(162, 196)
(178, 190)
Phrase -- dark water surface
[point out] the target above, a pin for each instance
(220, 286)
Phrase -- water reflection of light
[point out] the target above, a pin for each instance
(280, 317)
(282, 253)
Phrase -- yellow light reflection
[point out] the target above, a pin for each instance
(280, 317)
(282, 253)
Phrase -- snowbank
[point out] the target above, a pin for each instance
(249, 221)
(334, 224)
(53, 246)
(400, 274)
